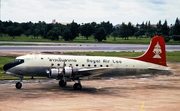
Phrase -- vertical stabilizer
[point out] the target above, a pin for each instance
(156, 53)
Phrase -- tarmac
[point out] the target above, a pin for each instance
(156, 93)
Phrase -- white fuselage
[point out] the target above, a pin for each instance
(40, 65)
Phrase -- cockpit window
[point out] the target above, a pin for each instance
(19, 60)
(13, 64)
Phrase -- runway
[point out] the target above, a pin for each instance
(84, 47)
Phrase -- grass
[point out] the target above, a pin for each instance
(114, 54)
(171, 57)
(4, 60)
(80, 39)
(23, 38)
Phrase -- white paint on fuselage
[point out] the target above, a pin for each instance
(37, 64)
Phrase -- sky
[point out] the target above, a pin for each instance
(87, 11)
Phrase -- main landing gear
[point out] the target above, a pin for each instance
(62, 83)
(76, 86)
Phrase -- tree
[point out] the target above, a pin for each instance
(107, 26)
(74, 28)
(139, 33)
(35, 33)
(159, 28)
(14, 31)
(162, 29)
(87, 30)
(53, 34)
(165, 28)
(27, 33)
(142, 29)
(67, 35)
(176, 37)
(150, 30)
(41, 27)
(115, 33)
(47, 28)
(176, 27)
(131, 29)
(1, 28)
(100, 34)
(124, 31)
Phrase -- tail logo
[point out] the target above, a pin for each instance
(157, 51)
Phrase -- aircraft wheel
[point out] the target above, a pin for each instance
(62, 83)
(18, 85)
(77, 86)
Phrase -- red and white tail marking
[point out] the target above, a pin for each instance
(156, 52)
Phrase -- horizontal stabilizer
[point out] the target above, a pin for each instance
(158, 68)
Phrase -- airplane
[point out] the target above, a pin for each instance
(67, 68)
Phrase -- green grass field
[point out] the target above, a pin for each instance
(171, 57)
(4, 60)
(80, 39)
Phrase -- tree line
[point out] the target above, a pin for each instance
(100, 32)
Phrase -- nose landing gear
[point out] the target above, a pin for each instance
(19, 84)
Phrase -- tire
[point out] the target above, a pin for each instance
(18, 85)
(62, 83)
(77, 86)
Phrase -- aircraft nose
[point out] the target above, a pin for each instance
(8, 66)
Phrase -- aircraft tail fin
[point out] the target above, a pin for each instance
(156, 53)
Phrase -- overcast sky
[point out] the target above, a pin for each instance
(85, 11)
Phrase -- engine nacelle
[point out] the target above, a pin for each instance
(54, 72)
(71, 71)
(68, 72)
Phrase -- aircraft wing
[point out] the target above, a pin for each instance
(93, 71)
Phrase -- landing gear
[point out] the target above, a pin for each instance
(19, 84)
(32, 77)
(77, 86)
(62, 83)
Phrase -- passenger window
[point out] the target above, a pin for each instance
(83, 65)
(94, 65)
(76, 64)
(89, 65)
(100, 65)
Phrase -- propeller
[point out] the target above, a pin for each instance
(63, 70)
